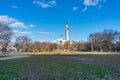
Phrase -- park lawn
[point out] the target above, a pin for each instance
(53, 67)
(4, 55)
(10, 54)
(58, 52)
(68, 53)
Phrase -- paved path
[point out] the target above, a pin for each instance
(14, 57)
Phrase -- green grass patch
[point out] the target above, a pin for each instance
(10, 54)
(4, 55)
(53, 68)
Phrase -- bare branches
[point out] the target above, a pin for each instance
(5, 36)
(106, 40)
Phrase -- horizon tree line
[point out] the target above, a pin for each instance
(106, 41)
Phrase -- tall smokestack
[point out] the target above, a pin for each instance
(66, 32)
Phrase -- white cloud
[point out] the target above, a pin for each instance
(18, 25)
(13, 22)
(52, 2)
(18, 33)
(45, 4)
(14, 6)
(75, 8)
(89, 3)
(85, 9)
(31, 25)
(6, 19)
(46, 33)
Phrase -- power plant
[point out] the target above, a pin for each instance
(61, 40)
(66, 32)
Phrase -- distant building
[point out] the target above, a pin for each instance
(61, 40)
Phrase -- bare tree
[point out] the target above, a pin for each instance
(5, 36)
(23, 43)
(108, 40)
(66, 45)
(97, 41)
(36, 47)
(117, 40)
(52, 46)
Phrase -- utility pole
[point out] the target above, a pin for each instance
(91, 39)
(117, 43)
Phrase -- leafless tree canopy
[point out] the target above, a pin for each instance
(108, 40)
(23, 43)
(5, 36)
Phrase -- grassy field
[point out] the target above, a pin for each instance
(62, 67)
(10, 54)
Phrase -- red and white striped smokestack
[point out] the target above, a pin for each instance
(66, 30)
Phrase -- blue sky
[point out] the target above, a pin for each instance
(44, 20)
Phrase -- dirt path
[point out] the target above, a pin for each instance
(14, 57)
